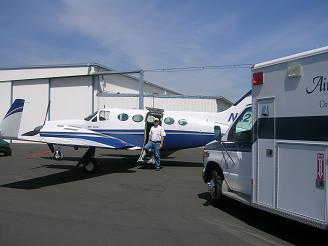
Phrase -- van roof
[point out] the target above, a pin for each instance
(291, 57)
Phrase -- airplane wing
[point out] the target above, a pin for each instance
(73, 136)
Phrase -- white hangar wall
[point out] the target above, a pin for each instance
(117, 83)
(35, 93)
(5, 96)
(71, 97)
(174, 103)
(183, 104)
(76, 91)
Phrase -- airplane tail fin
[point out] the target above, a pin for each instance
(10, 124)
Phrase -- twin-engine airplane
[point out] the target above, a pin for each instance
(121, 129)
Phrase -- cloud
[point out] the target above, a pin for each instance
(127, 35)
(141, 35)
(156, 34)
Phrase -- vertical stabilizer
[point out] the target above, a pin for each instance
(10, 124)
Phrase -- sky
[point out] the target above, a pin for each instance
(146, 34)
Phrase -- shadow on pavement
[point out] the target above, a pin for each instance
(112, 158)
(117, 164)
(283, 228)
(74, 173)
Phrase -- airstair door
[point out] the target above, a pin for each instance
(149, 122)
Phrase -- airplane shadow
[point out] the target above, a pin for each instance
(73, 173)
(120, 155)
(283, 228)
(165, 162)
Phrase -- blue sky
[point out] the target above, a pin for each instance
(133, 34)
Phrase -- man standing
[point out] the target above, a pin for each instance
(155, 143)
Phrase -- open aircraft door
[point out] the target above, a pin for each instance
(149, 122)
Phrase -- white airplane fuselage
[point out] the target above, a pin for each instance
(183, 129)
(116, 128)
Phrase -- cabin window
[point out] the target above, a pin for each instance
(137, 118)
(169, 121)
(103, 115)
(182, 122)
(94, 119)
(123, 117)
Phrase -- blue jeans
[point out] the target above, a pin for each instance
(155, 147)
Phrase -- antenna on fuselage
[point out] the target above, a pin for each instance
(47, 113)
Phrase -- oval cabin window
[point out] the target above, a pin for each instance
(169, 121)
(137, 118)
(182, 122)
(123, 117)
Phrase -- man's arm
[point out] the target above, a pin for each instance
(150, 134)
(162, 141)
(163, 134)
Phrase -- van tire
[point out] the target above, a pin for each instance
(215, 188)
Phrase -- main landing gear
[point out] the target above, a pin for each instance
(88, 162)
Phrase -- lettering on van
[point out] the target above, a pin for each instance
(318, 84)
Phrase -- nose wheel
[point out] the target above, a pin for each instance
(58, 155)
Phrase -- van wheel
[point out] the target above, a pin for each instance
(215, 188)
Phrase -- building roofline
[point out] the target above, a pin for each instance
(94, 64)
(54, 66)
(106, 94)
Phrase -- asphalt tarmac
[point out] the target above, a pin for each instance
(48, 202)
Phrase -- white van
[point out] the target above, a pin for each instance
(274, 156)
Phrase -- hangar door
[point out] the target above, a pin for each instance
(71, 97)
(5, 90)
(35, 93)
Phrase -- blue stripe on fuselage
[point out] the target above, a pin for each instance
(107, 140)
(174, 139)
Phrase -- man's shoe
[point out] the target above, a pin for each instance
(151, 160)
(158, 169)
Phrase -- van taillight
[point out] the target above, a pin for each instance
(257, 78)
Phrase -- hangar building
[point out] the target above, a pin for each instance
(78, 90)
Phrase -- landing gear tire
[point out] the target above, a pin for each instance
(90, 166)
(58, 155)
(215, 188)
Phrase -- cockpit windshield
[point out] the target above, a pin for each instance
(91, 116)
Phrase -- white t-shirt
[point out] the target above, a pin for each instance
(156, 133)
